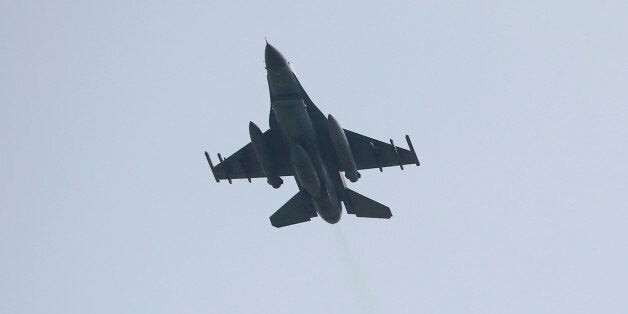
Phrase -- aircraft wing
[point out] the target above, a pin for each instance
(243, 164)
(371, 153)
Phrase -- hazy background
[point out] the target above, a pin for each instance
(517, 111)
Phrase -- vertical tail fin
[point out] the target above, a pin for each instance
(362, 206)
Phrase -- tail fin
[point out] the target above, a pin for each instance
(298, 209)
(362, 206)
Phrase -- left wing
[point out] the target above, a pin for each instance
(244, 164)
(371, 153)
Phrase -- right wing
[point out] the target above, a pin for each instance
(243, 164)
(371, 153)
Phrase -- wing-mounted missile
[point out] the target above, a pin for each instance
(304, 169)
(264, 156)
(343, 150)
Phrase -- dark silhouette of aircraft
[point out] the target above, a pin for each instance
(314, 149)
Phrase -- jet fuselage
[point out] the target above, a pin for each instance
(314, 173)
(312, 147)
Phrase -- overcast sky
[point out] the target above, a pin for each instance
(518, 113)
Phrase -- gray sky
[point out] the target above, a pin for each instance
(518, 113)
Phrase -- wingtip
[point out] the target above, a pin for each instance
(416, 158)
(211, 166)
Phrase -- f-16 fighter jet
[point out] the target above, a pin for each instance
(305, 144)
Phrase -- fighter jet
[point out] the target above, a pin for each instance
(305, 144)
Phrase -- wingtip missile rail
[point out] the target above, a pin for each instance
(211, 166)
(418, 163)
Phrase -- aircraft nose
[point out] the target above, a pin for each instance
(274, 59)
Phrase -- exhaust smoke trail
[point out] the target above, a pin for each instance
(357, 283)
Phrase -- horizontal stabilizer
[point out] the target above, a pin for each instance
(362, 206)
(298, 209)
